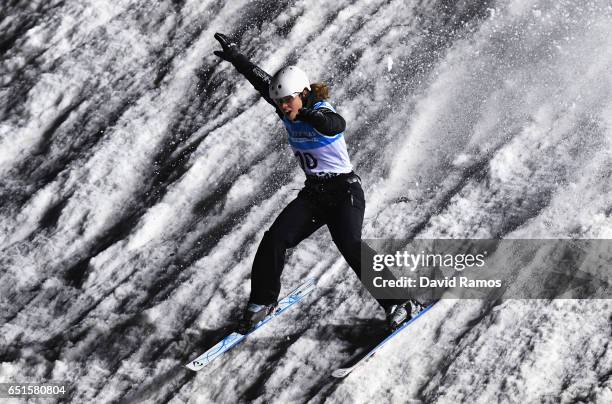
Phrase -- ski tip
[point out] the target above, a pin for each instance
(340, 373)
(194, 365)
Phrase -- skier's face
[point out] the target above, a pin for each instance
(290, 105)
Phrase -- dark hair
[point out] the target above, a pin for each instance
(320, 91)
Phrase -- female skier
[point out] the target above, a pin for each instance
(332, 194)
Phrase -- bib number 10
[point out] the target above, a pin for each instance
(306, 160)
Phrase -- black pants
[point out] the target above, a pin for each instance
(338, 203)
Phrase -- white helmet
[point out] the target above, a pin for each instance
(288, 81)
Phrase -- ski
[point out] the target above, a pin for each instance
(343, 372)
(235, 338)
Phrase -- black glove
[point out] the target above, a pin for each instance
(230, 49)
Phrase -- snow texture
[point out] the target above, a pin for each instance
(138, 173)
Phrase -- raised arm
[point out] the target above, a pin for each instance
(254, 74)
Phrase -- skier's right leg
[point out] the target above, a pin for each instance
(295, 223)
(345, 224)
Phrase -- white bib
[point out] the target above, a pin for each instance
(318, 154)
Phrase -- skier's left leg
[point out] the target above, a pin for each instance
(344, 223)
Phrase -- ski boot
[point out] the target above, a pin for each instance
(398, 314)
(253, 314)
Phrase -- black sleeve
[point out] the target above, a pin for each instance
(323, 120)
(257, 77)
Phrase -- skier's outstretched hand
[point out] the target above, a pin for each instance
(229, 51)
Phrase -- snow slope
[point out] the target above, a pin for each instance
(137, 174)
